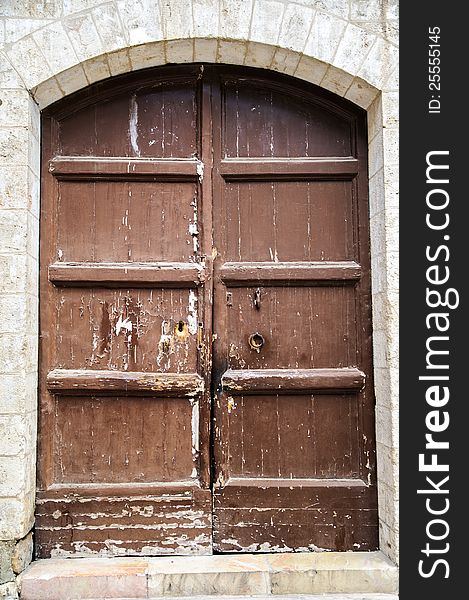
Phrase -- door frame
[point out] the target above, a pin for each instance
(134, 81)
(379, 100)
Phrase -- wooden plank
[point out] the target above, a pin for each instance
(284, 482)
(255, 381)
(71, 167)
(164, 274)
(132, 524)
(261, 496)
(288, 168)
(69, 380)
(285, 273)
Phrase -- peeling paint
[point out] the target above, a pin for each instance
(133, 124)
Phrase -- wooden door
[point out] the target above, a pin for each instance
(144, 446)
(123, 465)
(294, 442)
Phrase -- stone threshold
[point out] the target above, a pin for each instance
(223, 575)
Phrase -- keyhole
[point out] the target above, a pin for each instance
(180, 326)
(256, 341)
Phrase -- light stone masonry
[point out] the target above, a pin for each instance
(51, 48)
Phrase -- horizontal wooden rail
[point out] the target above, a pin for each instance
(286, 381)
(288, 168)
(285, 273)
(93, 167)
(286, 482)
(165, 274)
(87, 380)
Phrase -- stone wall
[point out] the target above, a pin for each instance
(50, 48)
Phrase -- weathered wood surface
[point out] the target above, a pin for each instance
(185, 210)
(292, 380)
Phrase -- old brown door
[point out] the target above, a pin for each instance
(184, 211)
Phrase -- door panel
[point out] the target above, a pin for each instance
(288, 221)
(185, 211)
(294, 467)
(148, 221)
(124, 441)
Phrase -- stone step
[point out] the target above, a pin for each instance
(244, 575)
(282, 597)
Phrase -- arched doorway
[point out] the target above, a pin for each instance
(206, 375)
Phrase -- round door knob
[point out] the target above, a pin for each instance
(256, 341)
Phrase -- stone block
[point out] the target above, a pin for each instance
(27, 9)
(90, 578)
(375, 118)
(29, 61)
(231, 52)
(16, 516)
(235, 18)
(285, 61)
(47, 92)
(391, 146)
(266, 21)
(9, 78)
(387, 426)
(388, 503)
(14, 187)
(13, 274)
(14, 146)
(179, 51)
(361, 93)
(109, 27)
(389, 540)
(8, 591)
(353, 48)
(73, 6)
(72, 79)
(259, 55)
(336, 81)
(391, 84)
(141, 21)
(339, 8)
(56, 47)
(380, 63)
(17, 393)
(205, 50)
(376, 193)
(205, 18)
(332, 573)
(96, 69)
(296, 26)
(119, 62)
(14, 313)
(6, 571)
(16, 434)
(324, 37)
(14, 108)
(374, 10)
(84, 36)
(388, 464)
(34, 154)
(375, 155)
(390, 109)
(311, 70)
(208, 575)
(176, 19)
(15, 29)
(22, 554)
(148, 55)
(13, 231)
